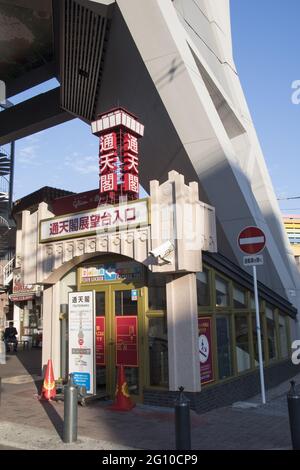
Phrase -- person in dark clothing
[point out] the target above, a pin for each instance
(10, 336)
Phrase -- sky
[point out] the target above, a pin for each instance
(266, 52)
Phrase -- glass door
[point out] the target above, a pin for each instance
(101, 324)
(119, 337)
(127, 333)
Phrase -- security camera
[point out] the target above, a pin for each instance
(163, 251)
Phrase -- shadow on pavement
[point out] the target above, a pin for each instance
(53, 416)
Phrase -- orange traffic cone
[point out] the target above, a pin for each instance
(48, 390)
(122, 400)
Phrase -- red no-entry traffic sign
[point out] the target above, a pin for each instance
(251, 240)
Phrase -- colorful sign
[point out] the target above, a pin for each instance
(21, 291)
(119, 132)
(81, 339)
(126, 341)
(126, 271)
(100, 341)
(251, 240)
(205, 350)
(99, 220)
(76, 202)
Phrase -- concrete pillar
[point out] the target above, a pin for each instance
(182, 317)
(51, 328)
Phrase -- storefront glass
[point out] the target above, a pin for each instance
(224, 346)
(158, 351)
(283, 336)
(242, 343)
(239, 297)
(222, 292)
(255, 343)
(203, 288)
(271, 332)
(157, 291)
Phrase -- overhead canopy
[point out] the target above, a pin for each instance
(26, 41)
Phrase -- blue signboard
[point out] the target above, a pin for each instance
(82, 379)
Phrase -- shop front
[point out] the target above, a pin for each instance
(127, 330)
(27, 301)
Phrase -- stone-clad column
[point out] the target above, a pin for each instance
(182, 317)
(47, 326)
(51, 328)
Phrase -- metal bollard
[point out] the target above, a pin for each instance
(70, 411)
(182, 422)
(293, 398)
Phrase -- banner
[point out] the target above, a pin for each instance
(82, 339)
(126, 341)
(99, 220)
(205, 350)
(100, 341)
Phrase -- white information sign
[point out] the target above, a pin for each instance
(82, 339)
(253, 260)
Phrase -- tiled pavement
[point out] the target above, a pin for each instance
(262, 427)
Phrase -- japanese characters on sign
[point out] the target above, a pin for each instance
(254, 260)
(108, 162)
(100, 219)
(81, 339)
(119, 132)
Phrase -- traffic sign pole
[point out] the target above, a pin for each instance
(258, 334)
(252, 241)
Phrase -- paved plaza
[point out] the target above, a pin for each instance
(28, 423)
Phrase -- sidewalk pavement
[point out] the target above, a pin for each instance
(27, 423)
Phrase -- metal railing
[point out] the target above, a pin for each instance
(8, 271)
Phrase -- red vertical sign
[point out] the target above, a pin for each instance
(126, 341)
(100, 341)
(205, 350)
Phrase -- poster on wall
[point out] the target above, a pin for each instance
(205, 350)
(82, 339)
(126, 341)
(100, 341)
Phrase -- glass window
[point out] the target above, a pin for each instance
(242, 343)
(157, 291)
(123, 303)
(222, 292)
(100, 304)
(255, 343)
(283, 336)
(158, 351)
(224, 346)
(271, 333)
(252, 302)
(239, 297)
(203, 294)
